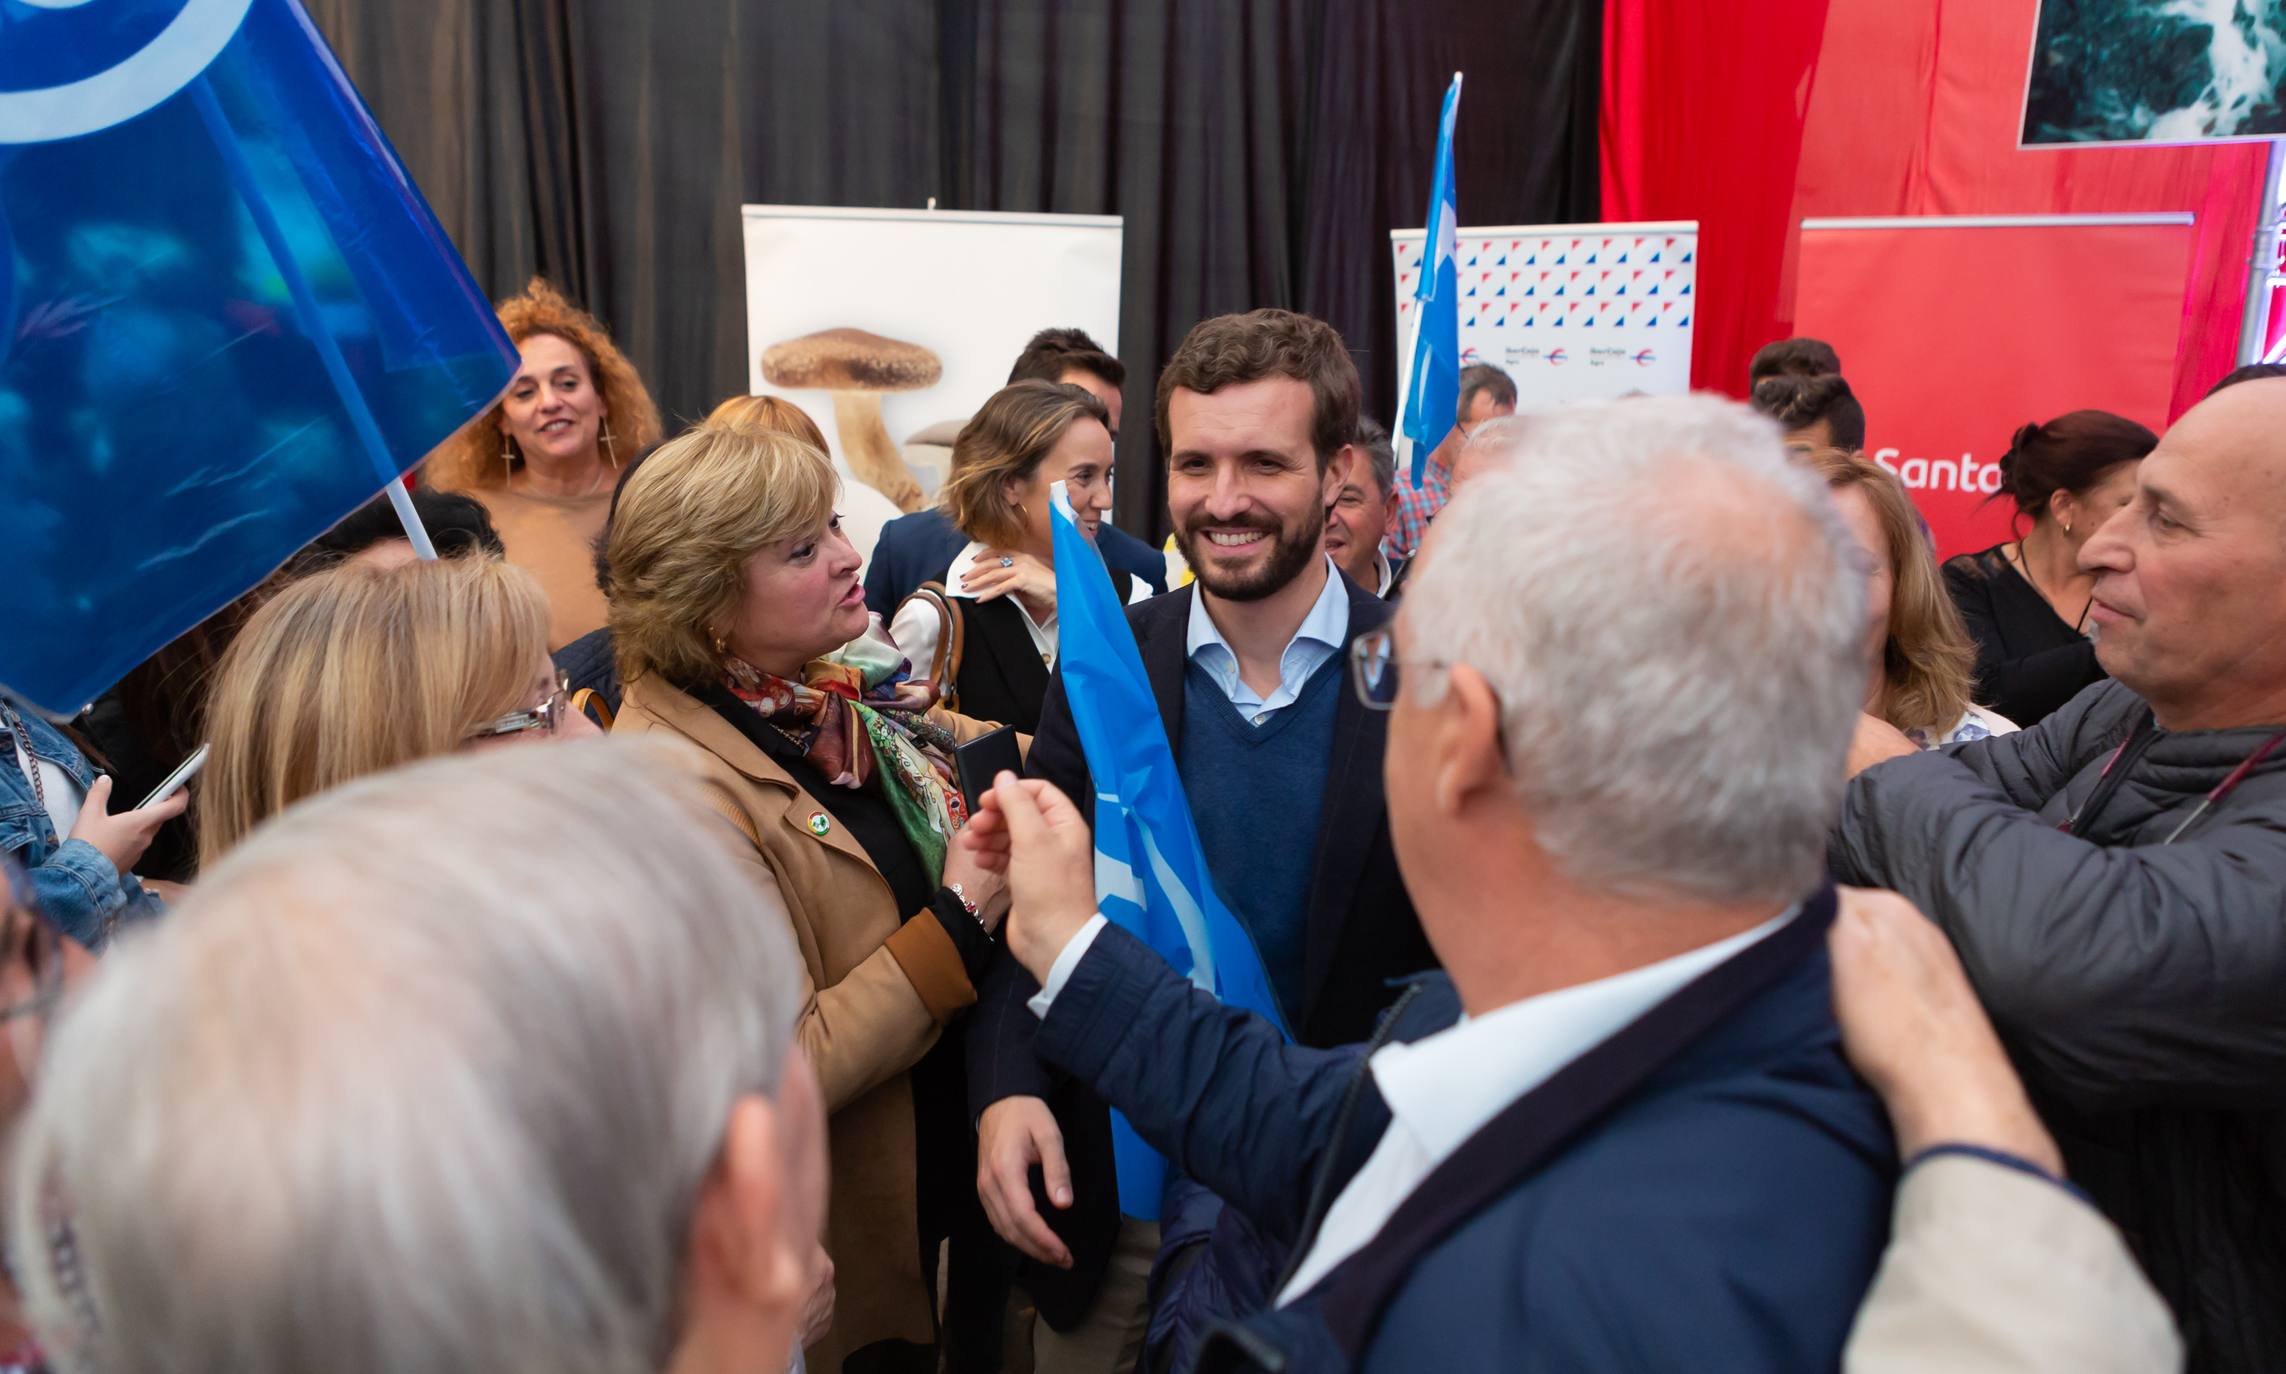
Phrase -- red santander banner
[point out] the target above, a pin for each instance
(1955, 331)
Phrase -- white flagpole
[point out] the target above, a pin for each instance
(401, 501)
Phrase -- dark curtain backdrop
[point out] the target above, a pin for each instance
(1259, 150)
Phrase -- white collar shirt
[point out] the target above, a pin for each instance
(1443, 1088)
(1319, 639)
(1384, 574)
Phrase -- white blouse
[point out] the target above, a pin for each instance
(1979, 723)
(916, 627)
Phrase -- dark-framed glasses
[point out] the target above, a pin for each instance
(548, 715)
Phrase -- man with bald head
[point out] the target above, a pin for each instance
(2115, 877)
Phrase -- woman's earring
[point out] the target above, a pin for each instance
(609, 455)
(507, 458)
(2067, 527)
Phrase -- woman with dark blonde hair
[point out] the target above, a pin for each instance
(1922, 662)
(590, 664)
(987, 632)
(357, 670)
(742, 631)
(544, 459)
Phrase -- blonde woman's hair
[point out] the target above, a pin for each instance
(767, 412)
(1004, 443)
(1930, 661)
(689, 519)
(353, 671)
(478, 456)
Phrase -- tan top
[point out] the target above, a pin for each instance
(553, 538)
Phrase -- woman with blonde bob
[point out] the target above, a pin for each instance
(987, 631)
(741, 630)
(1922, 662)
(543, 460)
(355, 671)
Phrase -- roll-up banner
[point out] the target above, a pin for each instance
(1570, 311)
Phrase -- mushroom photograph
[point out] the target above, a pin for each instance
(890, 327)
(858, 367)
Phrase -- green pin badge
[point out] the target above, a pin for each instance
(820, 824)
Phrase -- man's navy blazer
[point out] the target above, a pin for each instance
(1726, 1212)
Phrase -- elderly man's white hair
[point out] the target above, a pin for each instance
(427, 1076)
(1673, 617)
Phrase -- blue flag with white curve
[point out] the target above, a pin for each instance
(227, 318)
(1434, 393)
(1151, 876)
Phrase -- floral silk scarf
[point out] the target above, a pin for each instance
(861, 718)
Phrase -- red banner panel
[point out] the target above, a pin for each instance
(1955, 331)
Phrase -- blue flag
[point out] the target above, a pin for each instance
(1151, 875)
(226, 319)
(1434, 393)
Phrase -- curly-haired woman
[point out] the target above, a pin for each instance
(544, 459)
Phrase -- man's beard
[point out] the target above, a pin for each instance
(1290, 553)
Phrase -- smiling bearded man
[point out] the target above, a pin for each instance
(1283, 770)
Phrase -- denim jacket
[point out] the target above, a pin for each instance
(78, 888)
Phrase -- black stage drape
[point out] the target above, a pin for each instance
(1260, 150)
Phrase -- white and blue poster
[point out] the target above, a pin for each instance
(1571, 312)
(227, 317)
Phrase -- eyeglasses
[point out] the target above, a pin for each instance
(1375, 671)
(30, 944)
(548, 715)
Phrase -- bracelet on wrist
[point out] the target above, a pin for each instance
(974, 913)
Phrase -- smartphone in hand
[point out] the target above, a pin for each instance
(177, 780)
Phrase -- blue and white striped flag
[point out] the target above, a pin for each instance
(1434, 393)
(1151, 876)
(227, 318)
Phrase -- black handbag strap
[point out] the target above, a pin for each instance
(1534, 1127)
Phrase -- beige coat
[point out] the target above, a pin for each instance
(877, 990)
(1992, 1271)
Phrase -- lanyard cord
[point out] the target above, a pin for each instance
(2101, 794)
(2224, 788)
